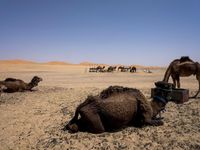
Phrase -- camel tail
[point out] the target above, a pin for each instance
(167, 73)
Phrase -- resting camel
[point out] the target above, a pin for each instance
(17, 85)
(115, 108)
(182, 67)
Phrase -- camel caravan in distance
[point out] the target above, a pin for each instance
(11, 85)
(103, 69)
(113, 68)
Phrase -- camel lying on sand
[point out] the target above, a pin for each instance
(115, 108)
(182, 67)
(17, 85)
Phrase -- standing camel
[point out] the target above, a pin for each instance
(133, 69)
(111, 68)
(182, 67)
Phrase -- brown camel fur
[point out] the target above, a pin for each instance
(17, 85)
(123, 68)
(100, 68)
(111, 68)
(183, 67)
(133, 69)
(115, 108)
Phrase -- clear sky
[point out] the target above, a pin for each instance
(146, 32)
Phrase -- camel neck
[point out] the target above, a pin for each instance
(155, 107)
(30, 85)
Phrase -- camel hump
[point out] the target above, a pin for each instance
(186, 62)
(185, 59)
(10, 79)
(116, 90)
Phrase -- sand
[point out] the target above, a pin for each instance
(34, 120)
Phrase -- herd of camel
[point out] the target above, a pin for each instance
(113, 68)
(117, 107)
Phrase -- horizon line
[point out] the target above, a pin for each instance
(59, 62)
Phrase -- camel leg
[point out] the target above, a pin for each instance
(178, 82)
(92, 120)
(198, 78)
(174, 80)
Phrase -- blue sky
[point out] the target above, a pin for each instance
(146, 32)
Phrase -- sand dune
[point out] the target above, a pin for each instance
(92, 64)
(16, 61)
(58, 63)
(34, 120)
(86, 63)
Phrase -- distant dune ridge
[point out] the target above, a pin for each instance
(85, 63)
(16, 61)
(58, 63)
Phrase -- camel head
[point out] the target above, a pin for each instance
(35, 80)
(159, 101)
(158, 105)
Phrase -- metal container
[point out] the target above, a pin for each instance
(178, 96)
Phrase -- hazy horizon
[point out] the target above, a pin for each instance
(146, 32)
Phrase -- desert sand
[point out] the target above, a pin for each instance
(34, 120)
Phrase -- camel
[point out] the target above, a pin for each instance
(97, 69)
(100, 68)
(93, 69)
(111, 68)
(182, 67)
(133, 69)
(17, 85)
(114, 108)
(123, 68)
(120, 68)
